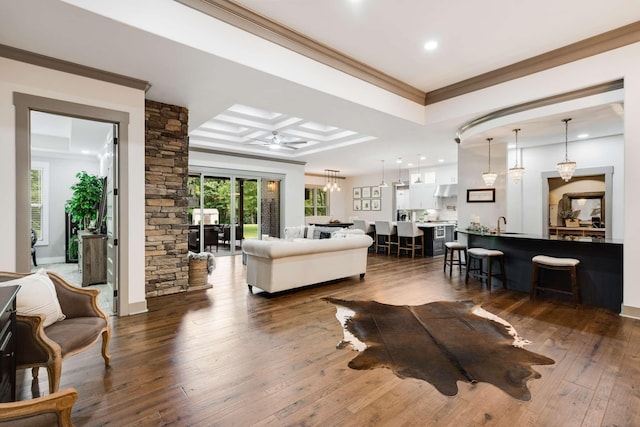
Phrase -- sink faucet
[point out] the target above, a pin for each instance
(505, 222)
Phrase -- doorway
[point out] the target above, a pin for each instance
(227, 209)
(117, 122)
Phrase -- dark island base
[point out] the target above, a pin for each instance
(599, 271)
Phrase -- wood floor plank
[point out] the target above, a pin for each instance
(226, 357)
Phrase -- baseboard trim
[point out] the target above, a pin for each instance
(631, 312)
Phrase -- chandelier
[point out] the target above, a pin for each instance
(516, 172)
(383, 184)
(331, 180)
(566, 168)
(489, 177)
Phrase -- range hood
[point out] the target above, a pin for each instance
(446, 190)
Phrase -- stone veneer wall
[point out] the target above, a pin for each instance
(166, 221)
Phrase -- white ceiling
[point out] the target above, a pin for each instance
(474, 37)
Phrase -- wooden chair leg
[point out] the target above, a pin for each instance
(106, 337)
(534, 281)
(54, 371)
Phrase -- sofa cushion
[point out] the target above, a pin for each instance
(37, 295)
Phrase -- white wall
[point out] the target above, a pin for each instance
(62, 175)
(19, 77)
(608, 66)
(292, 188)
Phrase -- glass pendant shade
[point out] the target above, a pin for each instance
(516, 172)
(489, 177)
(383, 184)
(400, 181)
(567, 168)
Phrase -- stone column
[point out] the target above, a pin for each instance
(166, 172)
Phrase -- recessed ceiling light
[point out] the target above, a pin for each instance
(423, 157)
(510, 146)
(85, 151)
(583, 135)
(440, 160)
(409, 164)
(431, 45)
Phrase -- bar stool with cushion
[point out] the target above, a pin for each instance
(552, 263)
(450, 258)
(385, 230)
(475, 263)
(361, 224)
(407, 233)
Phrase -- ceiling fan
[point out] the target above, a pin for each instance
(278, 141)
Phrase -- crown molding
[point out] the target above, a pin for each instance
(595, 45)
(234, 14)
(71, 67)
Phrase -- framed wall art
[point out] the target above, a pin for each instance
(375, 192)
(357, 205)
(366, 205)
(357, 192)
(482, 195)
(376, 205)
(366, 192)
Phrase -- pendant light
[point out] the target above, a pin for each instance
(383, 184)
(419, 180)
(489, 177)
(331, 177)
(566, 168)
(400, 181)
(516, 172)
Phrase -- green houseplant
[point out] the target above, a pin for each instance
(83, 204)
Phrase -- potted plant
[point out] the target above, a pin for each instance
(83, 204)
(570, 218)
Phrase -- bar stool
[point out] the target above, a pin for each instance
(450, 249)
(361, 224)
(475, 262)
(385, 230)
(408, 231)
(552, 263)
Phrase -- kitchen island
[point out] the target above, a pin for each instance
(599, 271)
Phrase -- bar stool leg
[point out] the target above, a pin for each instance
(574, 286)
(446, 252)
(489, 273)
(503, 276)
(534, 281)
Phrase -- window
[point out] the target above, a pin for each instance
(315, 201)
(40, 201)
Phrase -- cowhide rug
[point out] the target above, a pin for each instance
(441, 342)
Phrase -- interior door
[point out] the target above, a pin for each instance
(110, 219)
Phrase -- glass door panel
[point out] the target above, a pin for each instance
(270, 208)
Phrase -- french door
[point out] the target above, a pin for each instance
(226, 209)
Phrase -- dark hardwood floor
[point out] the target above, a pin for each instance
(225, 357)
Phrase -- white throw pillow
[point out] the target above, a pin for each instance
(37, 295)
(310, 230)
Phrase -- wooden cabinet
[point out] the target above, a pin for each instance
(92, 258)
(8, 343)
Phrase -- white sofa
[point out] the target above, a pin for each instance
(278, 265)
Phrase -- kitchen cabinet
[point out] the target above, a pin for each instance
(421, 196)
(435, 238)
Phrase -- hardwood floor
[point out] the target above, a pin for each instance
(226, 357)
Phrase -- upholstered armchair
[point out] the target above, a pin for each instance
(39, 345)
(50, 410)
